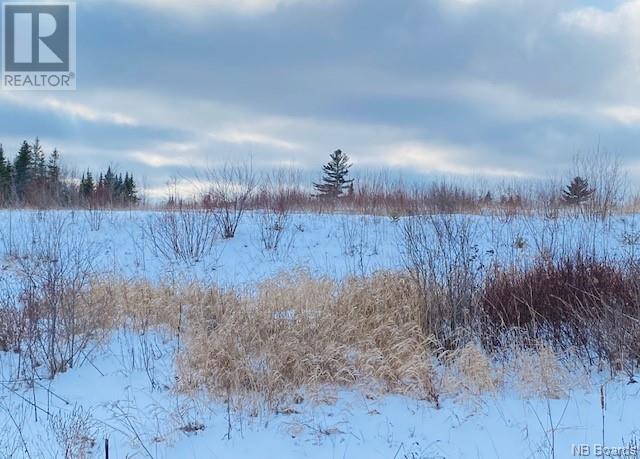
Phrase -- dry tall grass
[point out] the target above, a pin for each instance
(300, 332)
(470, 372)
(538, 372)
(292, 333)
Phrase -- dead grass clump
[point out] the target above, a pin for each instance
(11, 328)
(301, 332)
(469, 372)
(538, 373)
(138, 304)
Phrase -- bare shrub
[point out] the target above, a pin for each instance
(577, 302)
(279, 193)
(444, 197)
(75, 433)
(281, 190)
(54, 265)
(273, 225)
(441, 255)
(555, 300)
(229, 191)
(94, 216)
(185, 234)
(630, 240)
(359, 241)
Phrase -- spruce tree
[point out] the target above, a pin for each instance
(23, 169)
(100, 190)
(131, 194)
(52, 176)
(5, 177)
(577, 192)
(87, 186)
(53, 167)
(39, 167)
(334, 179)
(118, 189)
(109, 183)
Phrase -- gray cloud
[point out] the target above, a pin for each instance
(495, 86)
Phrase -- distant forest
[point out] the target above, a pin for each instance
(33, 178)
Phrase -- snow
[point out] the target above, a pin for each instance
(334, 245)
(133, 409)
(124, 390)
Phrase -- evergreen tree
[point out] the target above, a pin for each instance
(53, 167)
(109, 184)
(53, 176)
(5, 177)
(109, 177)
(39, 167)
(23, 168)
(118, 189)
(87, 186)
(82, 185)
(131, 194)
(34, 178)
(334, 179)
(577, 192)
(100, 190)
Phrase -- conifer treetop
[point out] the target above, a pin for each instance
(334, 179)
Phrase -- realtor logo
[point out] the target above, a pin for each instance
(38, 46)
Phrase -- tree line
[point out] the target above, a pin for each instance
(34, 178)
(336, 184)
(109, 189)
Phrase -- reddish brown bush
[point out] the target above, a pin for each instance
(571, 301)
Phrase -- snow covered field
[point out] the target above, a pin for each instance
(123, 390)
(141, 421)
(334, 245)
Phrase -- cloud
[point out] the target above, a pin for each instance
(615, 31)
(197, 7)
(464, 6)
(169, 154)
(74, 110)
(432, 158)
(493, 87)
(590, 19)
(623, 19)
(88, 113)
(623, 113)
(183, 188)
(253, 138)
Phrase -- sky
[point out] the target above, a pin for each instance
(495, 88)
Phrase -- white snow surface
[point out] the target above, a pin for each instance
(125, 389)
